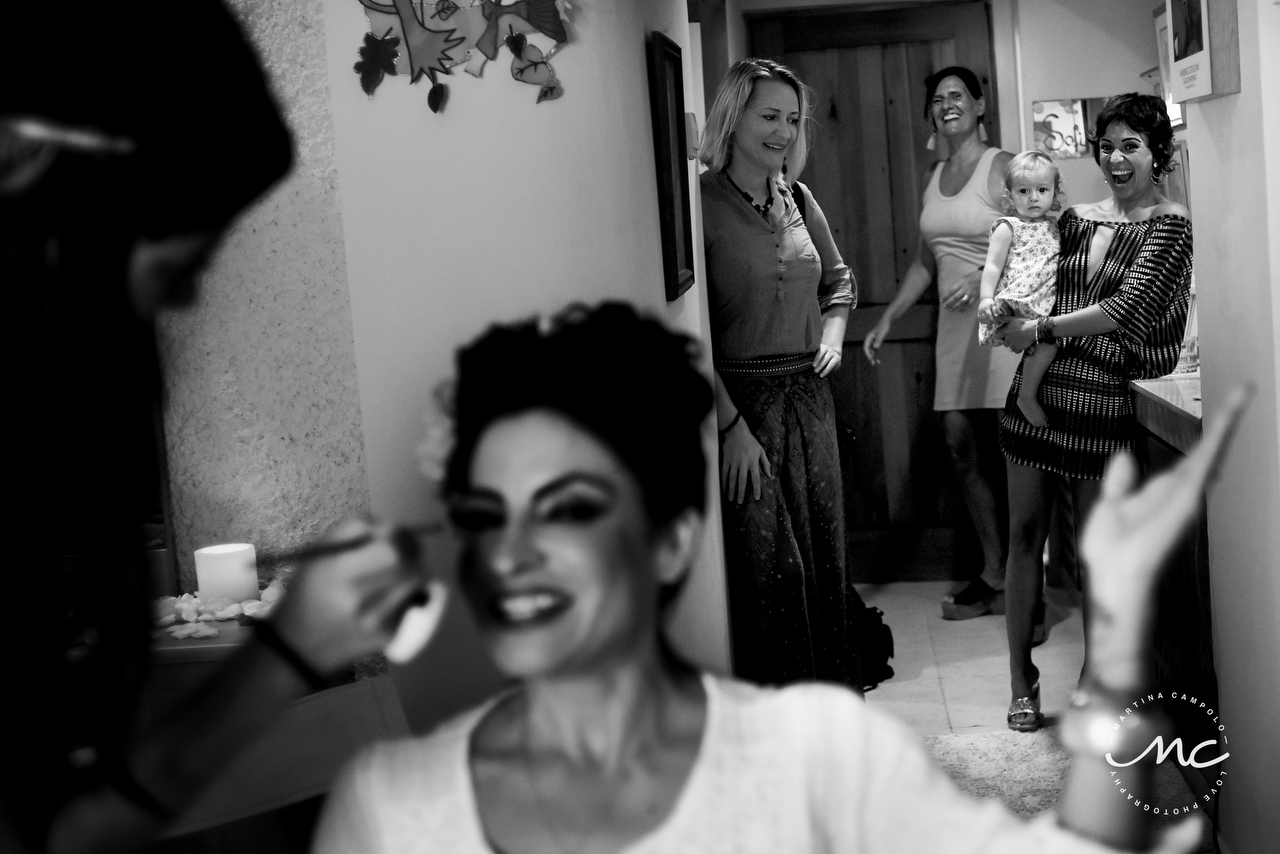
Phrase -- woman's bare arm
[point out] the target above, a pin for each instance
(915, 282)
(831, 350)
(997, 255)
(742, 460)
(1020, 333)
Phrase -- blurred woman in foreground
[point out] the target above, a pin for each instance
(577, 485)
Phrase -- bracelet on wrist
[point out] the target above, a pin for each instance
(737, 416)
(270, 638)
(1044, 330)
(1110, 725)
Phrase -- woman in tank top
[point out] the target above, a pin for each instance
(961, 201)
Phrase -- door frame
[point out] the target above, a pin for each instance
(773, 33)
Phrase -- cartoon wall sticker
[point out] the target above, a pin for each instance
(431, 37)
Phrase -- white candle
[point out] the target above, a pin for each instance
(229, 570)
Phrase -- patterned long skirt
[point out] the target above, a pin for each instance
(788, 584)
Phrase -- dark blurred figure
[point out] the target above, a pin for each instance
(128, 142)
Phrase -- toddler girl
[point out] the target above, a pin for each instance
(1019, 279)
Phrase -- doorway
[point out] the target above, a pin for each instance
(906, 517)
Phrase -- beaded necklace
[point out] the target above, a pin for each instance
(763, 210)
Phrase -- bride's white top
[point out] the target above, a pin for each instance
(808, 768)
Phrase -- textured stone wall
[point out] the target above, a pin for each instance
(262, 421)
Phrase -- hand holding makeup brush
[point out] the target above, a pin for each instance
(347, 600)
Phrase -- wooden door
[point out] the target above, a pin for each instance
(906, 517)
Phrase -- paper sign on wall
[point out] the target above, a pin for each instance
(1187, 32)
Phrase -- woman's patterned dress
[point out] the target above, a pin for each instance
(1143, 284)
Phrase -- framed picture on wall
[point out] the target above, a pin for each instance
(666, 96)
(1186, 39)
(1161, 85)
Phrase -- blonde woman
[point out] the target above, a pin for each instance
(780, 296)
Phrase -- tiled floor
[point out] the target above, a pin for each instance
(953, 677)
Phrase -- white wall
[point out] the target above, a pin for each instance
(700, 617)
(736, 32)
(1083, 49)
(1269, 71)
(1234, 144)
(722, 33)
(495, 208)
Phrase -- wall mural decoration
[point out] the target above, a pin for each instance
(430, 38)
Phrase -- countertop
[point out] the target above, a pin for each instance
(167, 649)
(1169, 407)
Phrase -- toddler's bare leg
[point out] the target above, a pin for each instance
(1032, 373)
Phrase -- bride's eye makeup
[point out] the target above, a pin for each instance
(476, 516)
(576, 509)
(575, 500)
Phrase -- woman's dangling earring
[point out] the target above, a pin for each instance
(932, 144)
(1157, 177)
(982, 132)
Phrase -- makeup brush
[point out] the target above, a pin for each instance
(404, 538)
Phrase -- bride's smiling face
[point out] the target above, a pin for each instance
(559, 552)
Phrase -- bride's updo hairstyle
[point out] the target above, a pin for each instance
(626, 379)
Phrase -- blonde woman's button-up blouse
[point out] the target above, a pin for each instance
(769, 281)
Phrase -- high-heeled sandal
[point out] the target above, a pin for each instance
(977, 599)
(1027, 712)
